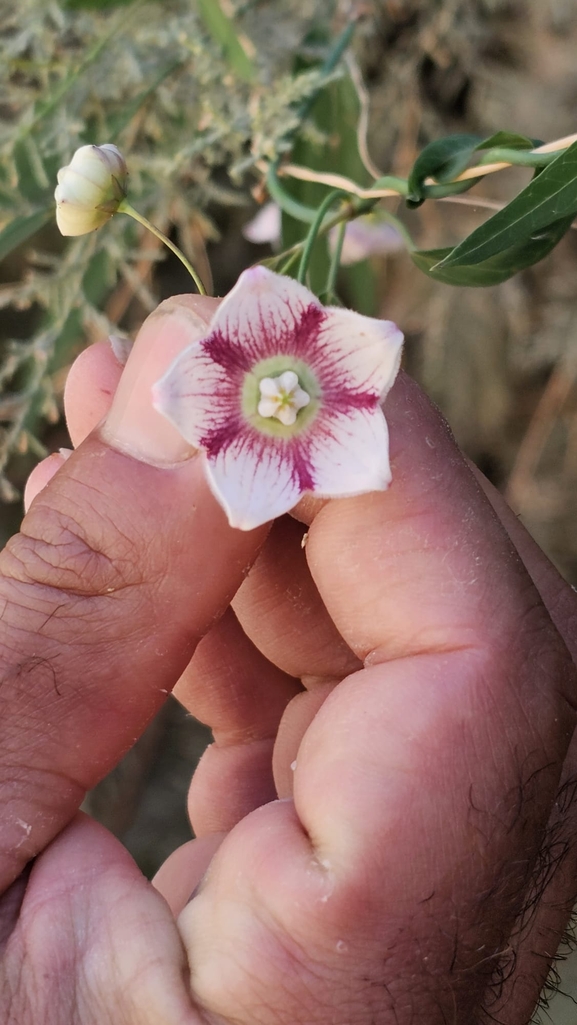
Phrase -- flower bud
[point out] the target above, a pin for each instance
(90, 189)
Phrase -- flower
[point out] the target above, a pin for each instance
(365, 237)
(284, 398)
(265, 226)
(90, 189)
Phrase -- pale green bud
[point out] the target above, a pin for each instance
(90, 189)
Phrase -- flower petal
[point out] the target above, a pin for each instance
(253, 479)
(266, 314)
(365, 237)
(266, 226)
(348, 453)
(199, 397)
(356, 354)
(77, 220)
(77, 188)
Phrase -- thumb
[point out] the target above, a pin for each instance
(123, 562)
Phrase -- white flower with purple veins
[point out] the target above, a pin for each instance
(284, 397)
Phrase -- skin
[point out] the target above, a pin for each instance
(404, 684)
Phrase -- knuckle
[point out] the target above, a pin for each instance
(56, 551)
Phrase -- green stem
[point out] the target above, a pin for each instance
(292, 259)
(391, 181)
(292, 207)
(450, 189)
(327, 67)
(336, 260)
(520, 158)
(126, 208)
(314, 230)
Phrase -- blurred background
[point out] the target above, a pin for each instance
(198, 104)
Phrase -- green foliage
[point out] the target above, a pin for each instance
(442, 160)
(20, 229)
(521, 234)
(496, 268)
(445, 159)
(206, 97)
(328, 143)
(549, 198)
(225, 35)
(173, 86)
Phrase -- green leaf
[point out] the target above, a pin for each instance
(33, 181)
(118, 121)
(509, 139)
(98, 5)
(442, 160)
(46, 107)
(21, 229)
(222, 30)
(436, 264)
(335, 112)
(99, 278)
(549, 197)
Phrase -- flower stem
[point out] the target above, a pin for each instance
(336, 260)
(314, 230)
(126, 208)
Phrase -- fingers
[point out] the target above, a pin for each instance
(550, 898)
(94, 941)
(280, 608)
(423, 784)
(124, 561)
(426, 570)
(183, 870)
(241, 696)
(90, 386)
(559, 597)
(42, 473)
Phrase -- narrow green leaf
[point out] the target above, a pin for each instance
(7, 198)
(45, 107)
(21, 229)
(33, 181)
(442, 160)
(509, 139)
(99, 278)
(495, 269)
(119, 120)
(549, 197)
(222, 30)
(335, 112)
(99, 5)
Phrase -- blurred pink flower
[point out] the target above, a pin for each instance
(284, 398)
(265, 226)
(366, 237)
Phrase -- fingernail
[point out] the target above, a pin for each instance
(121, 348)
(133, 425)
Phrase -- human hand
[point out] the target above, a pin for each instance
(419, 866)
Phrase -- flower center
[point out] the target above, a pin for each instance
(282, 397)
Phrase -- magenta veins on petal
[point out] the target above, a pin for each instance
(284, 397)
